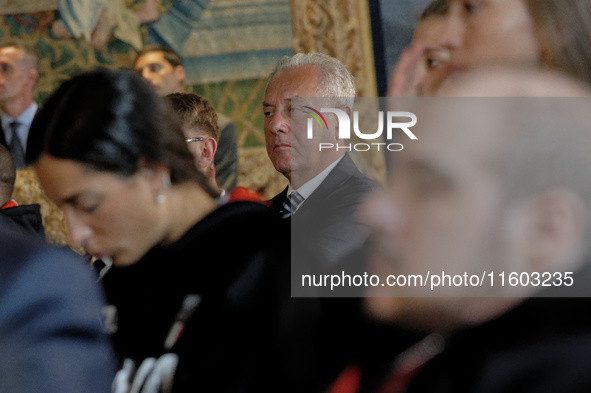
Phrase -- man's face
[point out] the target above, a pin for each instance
(484, 32)
(443, 210)
(290, 151)
(165, 78)
(16, 78)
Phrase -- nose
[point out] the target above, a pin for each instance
(79, 232)
(278, 123)
(451, 31)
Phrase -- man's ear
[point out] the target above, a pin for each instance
(179, 73)
(556, 231)
(33, 76)
(208, 148)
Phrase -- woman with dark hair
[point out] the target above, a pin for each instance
(190, 282)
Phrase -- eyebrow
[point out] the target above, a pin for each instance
(71, 200)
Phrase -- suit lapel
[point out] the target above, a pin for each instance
(339, 175)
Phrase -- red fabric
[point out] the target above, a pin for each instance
(347, 381)
(244, 194)
(11, 203)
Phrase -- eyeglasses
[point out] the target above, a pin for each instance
(195, 139)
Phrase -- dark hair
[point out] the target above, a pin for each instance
(169, 55)
(112, 121)
(436, 7)
(195, 111)
(564, 29)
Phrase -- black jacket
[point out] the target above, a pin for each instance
(228, 259)
(26, 217)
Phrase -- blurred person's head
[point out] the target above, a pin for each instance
(564, 32)
(161, 67)
(429, 31)
(7, 175)
(491, 185)
(549, 33)
(427, 52)
(306, 76)
(199, 122)
(484, 32)
(18, 76)
(116, 166)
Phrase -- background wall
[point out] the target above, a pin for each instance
(340, 28)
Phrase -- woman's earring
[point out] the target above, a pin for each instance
(161, 197)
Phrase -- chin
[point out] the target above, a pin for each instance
(381, 308)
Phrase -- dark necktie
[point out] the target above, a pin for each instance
(16, 149)
(291, 204)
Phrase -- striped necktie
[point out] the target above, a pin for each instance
(291, 204)
(16, 149)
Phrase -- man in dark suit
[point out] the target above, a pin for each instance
(319, 204)
(51, 338)
(325, 187)
(18, 76)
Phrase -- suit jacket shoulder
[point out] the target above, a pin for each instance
(50, 311)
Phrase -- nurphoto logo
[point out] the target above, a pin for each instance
(393, 119)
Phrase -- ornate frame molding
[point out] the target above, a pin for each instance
(342, 29)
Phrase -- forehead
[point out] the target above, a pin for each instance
(10, 53)
(429, 30)
(458, 134)
(293, 82)
(62, 177)
(150, 58)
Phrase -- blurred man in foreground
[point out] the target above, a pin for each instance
(494, 188)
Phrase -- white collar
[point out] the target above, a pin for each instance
(311, 185)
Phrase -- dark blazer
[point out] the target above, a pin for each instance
(227, 344)
(51, 338)
(327, 221)
(225, 159)
(27, 217)
(541, 346)
(2, 138)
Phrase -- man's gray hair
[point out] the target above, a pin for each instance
(335, 80)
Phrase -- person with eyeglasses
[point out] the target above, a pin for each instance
(199, 122)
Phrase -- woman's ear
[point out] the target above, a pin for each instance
(157, 176)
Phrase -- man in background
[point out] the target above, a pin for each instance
(325, 187)
(18, 76)
(163, 69)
